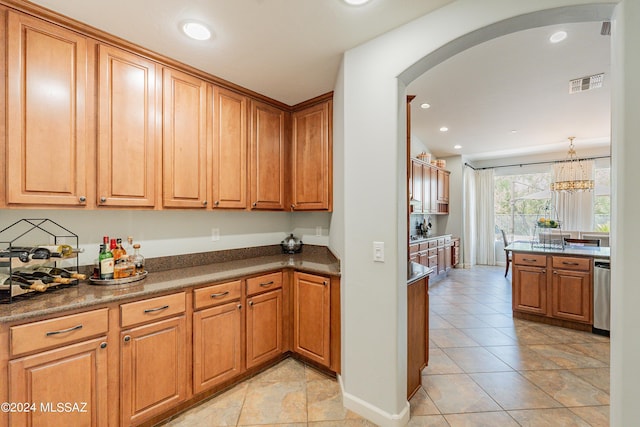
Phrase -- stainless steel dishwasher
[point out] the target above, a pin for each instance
(601, 296)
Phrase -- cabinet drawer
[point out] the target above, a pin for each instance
(433, 243)
(433, 252)
(571, 263)
(447, 239)
(440, 242)
(530, 259)
(264, 283)
(59, 331)
(433, 261)
(216, 294)
(152, 309)
(414, 248)
(424, 246)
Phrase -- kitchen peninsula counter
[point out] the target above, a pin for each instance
(85, 295)
(555, 285)
(588, 251)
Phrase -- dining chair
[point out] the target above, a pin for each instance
(507, 253)
(581, 242)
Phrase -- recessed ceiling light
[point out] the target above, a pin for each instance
(457, 147)
(558, 36)
(196, 30)
(356, 2)
(425, 106)
(444, 129)
(514, 131)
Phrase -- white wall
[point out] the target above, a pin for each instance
(374, 294)
(170, 232)
(625, 292)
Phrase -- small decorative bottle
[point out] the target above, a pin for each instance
(137, 259)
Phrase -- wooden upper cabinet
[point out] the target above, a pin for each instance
(268, 155)
(312, 170)
(229, 149)
(184, 140)
(443, 186)
(127, 138)
(417, 182)
(46, 131)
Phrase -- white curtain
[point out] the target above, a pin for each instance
(575, 210)
(469, 226)
(485, 219)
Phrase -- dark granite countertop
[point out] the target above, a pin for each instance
(85, 295)
(416, 272)
(587, 251)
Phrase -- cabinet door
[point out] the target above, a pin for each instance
(184, 140)
(530, 289)
(126, 129)
(433, 206)
(268, 157)
(417, 333)
(447, 256)
(46, 131)
(264, 327)
(312, 178)
(442, 266)
(74, 374)
(571, 295)
(417, 187)
(426, 188)
(217, 345)
(153, 369)
(443, 186)
(229, 149)
(311, 317)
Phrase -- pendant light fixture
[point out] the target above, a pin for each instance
(572, 174)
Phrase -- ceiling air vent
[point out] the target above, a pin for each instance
(586, 83)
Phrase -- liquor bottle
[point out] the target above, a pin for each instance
(105, 261)
(46, 278)
(62, 272)
(118, 251)
(128, 247)
(137, 259)
(35, 285)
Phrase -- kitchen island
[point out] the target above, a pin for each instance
(553, 284)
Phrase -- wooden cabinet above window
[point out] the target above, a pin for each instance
(429, 188)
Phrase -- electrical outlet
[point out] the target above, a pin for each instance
(318, 231)
(215, 234)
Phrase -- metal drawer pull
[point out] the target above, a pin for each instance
(64, 331)
(570, 263)
(529, 260)
(151, 310)
(103, 345)
(325, 283)
(221, 294)
(264, 285)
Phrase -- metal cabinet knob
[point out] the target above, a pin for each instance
(127, 338)
(82, 199)
(103, 199)
(216, 203)
(204, 203)
(293, 206)
(254, 204)
(103, 345)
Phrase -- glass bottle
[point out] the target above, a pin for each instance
(105, 262)
(137, 259)
(118, 251)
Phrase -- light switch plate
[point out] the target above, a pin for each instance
(215, 234)
(378, 251)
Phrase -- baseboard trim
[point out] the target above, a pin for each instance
(373, 413)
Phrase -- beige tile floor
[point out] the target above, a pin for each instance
(485, 369)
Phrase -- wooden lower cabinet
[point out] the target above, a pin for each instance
(571, 295)
(417, 333)
(43, 379)
(312, 317)
(264, 327)
(529, 289)
(153, 369)
(217, 345)
(552, 286)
